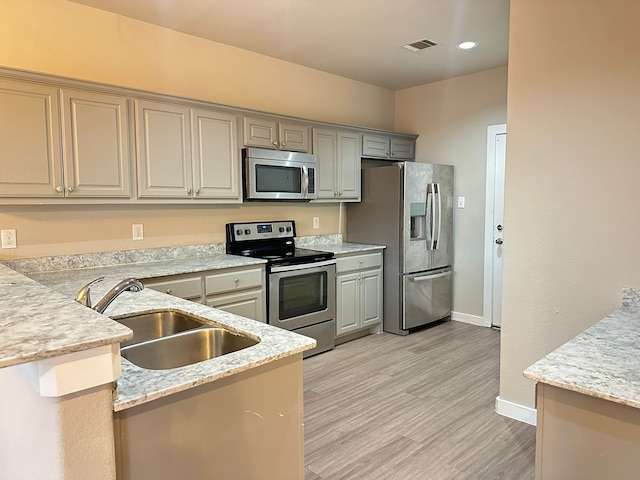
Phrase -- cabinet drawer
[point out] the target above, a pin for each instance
(183, 288)
(227, 282)
(358, 262)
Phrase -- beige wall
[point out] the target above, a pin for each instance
(571, 242)
(64, 38)
(451, 118)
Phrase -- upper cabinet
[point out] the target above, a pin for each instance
(186, 153)
(387, 147)
(94, 158)
(96, 148)
(30, 159)
(338, 164)
(267, 133)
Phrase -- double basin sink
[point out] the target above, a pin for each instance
(167, 339)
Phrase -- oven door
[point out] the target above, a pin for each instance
(302, 295)
(278, 180)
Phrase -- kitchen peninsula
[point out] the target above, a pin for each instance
(72, 355)
(588, 401)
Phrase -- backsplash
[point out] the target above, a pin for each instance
(88, 260)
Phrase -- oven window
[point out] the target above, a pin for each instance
(278, 179)
(302, 294)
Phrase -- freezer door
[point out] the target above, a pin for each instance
(427, 298)
(442, 180)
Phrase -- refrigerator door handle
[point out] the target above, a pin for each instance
(424, 278)
(431, 211)
(439, 198)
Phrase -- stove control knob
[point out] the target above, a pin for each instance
(288, 229)
(239, 231)
(247, 231)
(281, 229)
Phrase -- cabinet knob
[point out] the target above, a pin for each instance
(169, 291)
(59, 189)
(387, 153)
(393, 153)
(283, 144)
(71, 189)
(237, 281)
(275, 144)
(189, 192)
(197, 192)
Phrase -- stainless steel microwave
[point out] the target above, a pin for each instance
(278, 175)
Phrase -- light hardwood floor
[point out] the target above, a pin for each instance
(419, 407)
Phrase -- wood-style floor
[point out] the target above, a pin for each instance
(419, 407)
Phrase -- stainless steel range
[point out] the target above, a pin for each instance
(301, 282)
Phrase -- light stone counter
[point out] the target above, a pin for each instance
(40, 320)
(603, 361)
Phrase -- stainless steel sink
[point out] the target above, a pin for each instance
(185, 348)
(162, 323)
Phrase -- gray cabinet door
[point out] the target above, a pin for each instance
(96, 145)
(348, 166)
(325, 150)
(30, 158)
(402, 149)
(215, 155)
(376, 146)
(164, 153)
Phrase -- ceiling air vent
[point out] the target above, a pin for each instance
(419, 45)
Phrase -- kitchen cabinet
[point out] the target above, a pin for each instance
(237, 290)
(96, 147)
(187, 286)
(186, 153)
(358, 292)
(338, 164)
(274, 135)
(240, 291)
(387, 147)
(93, 159)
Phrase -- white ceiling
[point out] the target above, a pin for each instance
(357, 39)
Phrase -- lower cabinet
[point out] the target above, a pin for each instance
(236, 290)
(240, 291)
(358, 292)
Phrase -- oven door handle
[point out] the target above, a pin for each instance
(302, 266)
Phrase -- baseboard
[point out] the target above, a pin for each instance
(472, 319)
(516, 411)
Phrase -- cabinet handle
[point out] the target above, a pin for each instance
(197, 192)
(283, 144)
(169, 291)
(71, 189)
(237, 280)
(275, 144)
(393, 153)
(189, 192)
(59, 189)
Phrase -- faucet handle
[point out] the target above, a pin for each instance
(84, 294)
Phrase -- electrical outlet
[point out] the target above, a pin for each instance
(316, 222)
(9, 238)
(460, 202)
(138, 231)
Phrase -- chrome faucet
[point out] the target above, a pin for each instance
(84, 294)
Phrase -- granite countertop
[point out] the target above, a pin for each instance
(603, 361)
(40, 320)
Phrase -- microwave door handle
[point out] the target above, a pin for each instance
(305, 180)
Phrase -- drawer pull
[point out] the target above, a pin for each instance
(169, 291)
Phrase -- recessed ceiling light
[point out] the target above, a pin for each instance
(467, 45)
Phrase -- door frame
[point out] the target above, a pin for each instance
(489, 295)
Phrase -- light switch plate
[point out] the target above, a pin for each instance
(138, 231)
(460, 202)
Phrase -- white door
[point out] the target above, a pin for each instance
(494, 224)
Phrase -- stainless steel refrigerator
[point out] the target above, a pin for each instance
(408, 207)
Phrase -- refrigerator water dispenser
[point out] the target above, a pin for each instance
(418, 213)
